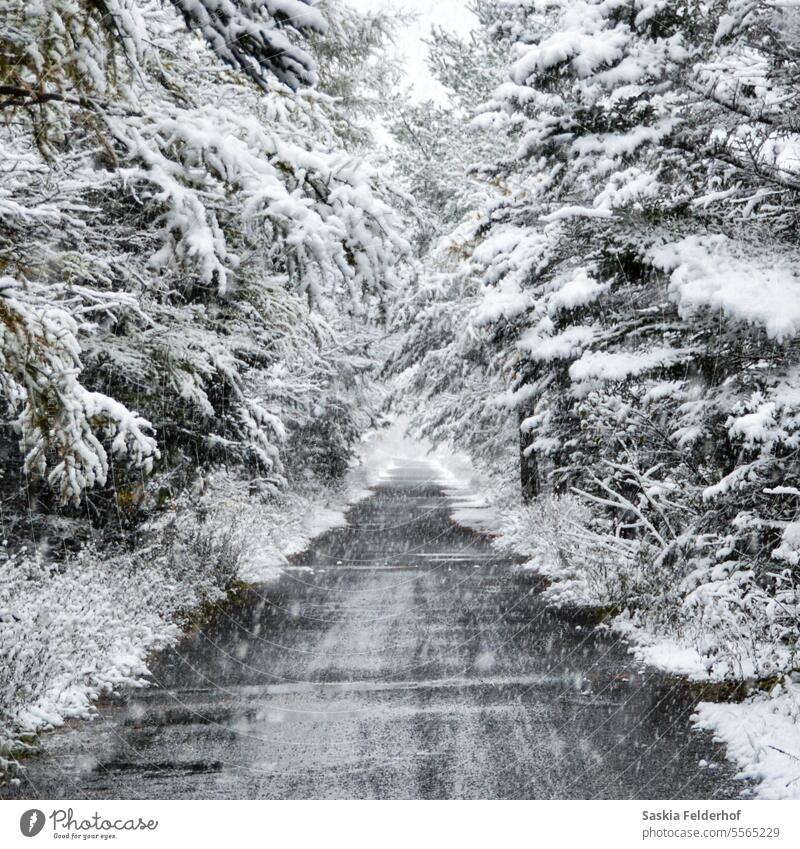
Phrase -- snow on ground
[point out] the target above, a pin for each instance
(473, 510)
(68, 636)
(472, 507)
(73, 631)
(662, 652)
(762, 736)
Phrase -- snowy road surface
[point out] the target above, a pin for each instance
(400, 657)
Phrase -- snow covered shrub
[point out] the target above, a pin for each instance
(587, 567)
(745, 628)
(68, 633)
(554, 533)
(23, 664)
(75, 628)
(202, 551)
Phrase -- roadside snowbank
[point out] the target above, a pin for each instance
(289, 530)
(74, 630)
(762, 736)
(472, 504)
(71, 632)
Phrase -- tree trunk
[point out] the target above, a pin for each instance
(528, 466)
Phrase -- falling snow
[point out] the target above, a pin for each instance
(399, 400)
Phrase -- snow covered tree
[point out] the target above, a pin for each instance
(254, 36)
(447, 165)
(182, 239)
(633, 286)
(355, 68)
(439, 156)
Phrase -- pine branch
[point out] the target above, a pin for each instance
(22, 96)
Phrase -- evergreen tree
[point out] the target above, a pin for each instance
(632, 287)
(178, 240)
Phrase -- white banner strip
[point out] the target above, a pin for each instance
(460, 825)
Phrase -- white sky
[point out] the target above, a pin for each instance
(450, 14)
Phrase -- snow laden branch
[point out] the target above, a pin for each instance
(62, 425)
(322, 211)
(63, 48)
(255, 36)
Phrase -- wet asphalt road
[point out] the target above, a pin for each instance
(400, 657)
